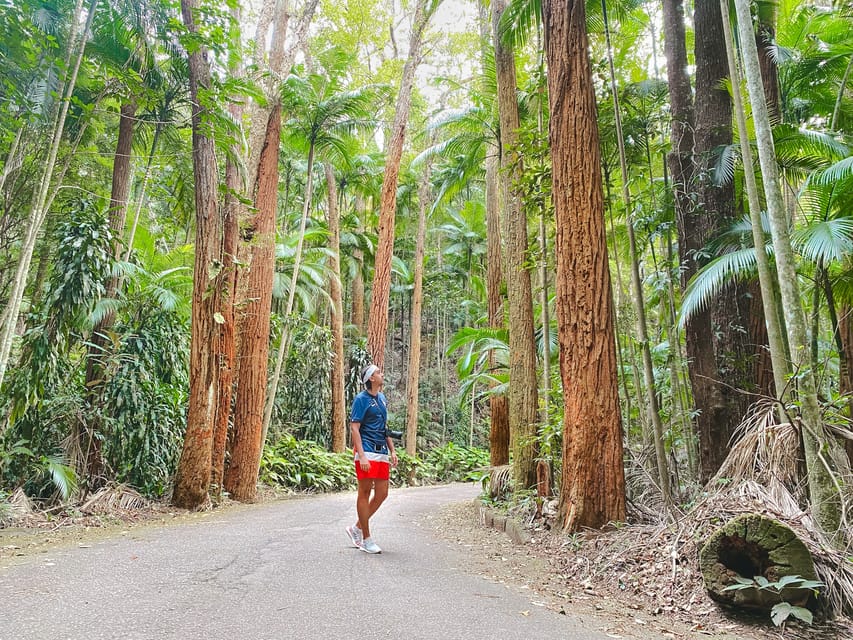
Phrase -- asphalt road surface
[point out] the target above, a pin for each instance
(272, 572)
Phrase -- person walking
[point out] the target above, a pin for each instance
(374, 455)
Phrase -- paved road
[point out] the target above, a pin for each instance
(275, 571)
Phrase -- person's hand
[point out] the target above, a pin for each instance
(394, 459)
(364, 462)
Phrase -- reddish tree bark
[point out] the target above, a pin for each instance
(593, 491)
(377, 322)
(241, 477)
(193, 474)
(225, 347)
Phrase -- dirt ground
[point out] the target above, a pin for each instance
(559, 570)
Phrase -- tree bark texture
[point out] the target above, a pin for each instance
(712, 333)
(357, 286)
(762, 363)
(765, 37)
(845, 375)
(193, 473)
(227, 282)
(413, 381)
(523, 383)
(498, 404)
(377, 321)
(242, 474)
(339, 410)
(680, 158)
(97, 349)
(225, 345)
(593, 491)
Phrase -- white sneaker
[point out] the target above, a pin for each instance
(355, 536)
(370, 546)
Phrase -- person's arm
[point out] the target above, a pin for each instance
(358, 447)
(391, 451)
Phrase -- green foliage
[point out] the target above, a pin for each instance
(452, 463)
(41, 475)
(783, 610)
(303, 402)
(144, 402)
(304, 465)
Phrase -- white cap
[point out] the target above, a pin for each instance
(368, 373)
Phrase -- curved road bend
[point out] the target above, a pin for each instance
(282, 570)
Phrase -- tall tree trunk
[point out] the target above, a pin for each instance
(765, 37)
(773, 328)
(98, 343)
(593, 491)
(38, 209)
(637, 289)
(523, 389)
(258, 246)
(226, 344)
(284, 341)
(193, 474)
(498, 404)
(718, 413)
(377, 328)
(227, 281)
(14, 159)
(339, 411)
(357, 286)
(413, 381)
(762, 362)
(819, 448)
(845, 383)
(241, 477)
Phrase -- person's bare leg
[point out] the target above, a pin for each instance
(362, 505)
(380, 492)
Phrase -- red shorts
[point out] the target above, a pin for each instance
(378, 471)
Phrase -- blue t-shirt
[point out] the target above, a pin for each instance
(371, 413)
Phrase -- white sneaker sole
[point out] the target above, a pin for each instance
(356, 543)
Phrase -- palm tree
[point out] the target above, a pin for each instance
(323, 116)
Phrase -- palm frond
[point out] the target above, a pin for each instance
(711, 279)
(825, 241)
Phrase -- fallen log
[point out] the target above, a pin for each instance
(753, 546)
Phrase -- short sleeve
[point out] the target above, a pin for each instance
(359, 408)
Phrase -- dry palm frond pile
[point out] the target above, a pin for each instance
(657, 564)
(112, 499)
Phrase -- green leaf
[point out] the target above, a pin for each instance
(784, 581)
(780, 613)
(801, 613)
